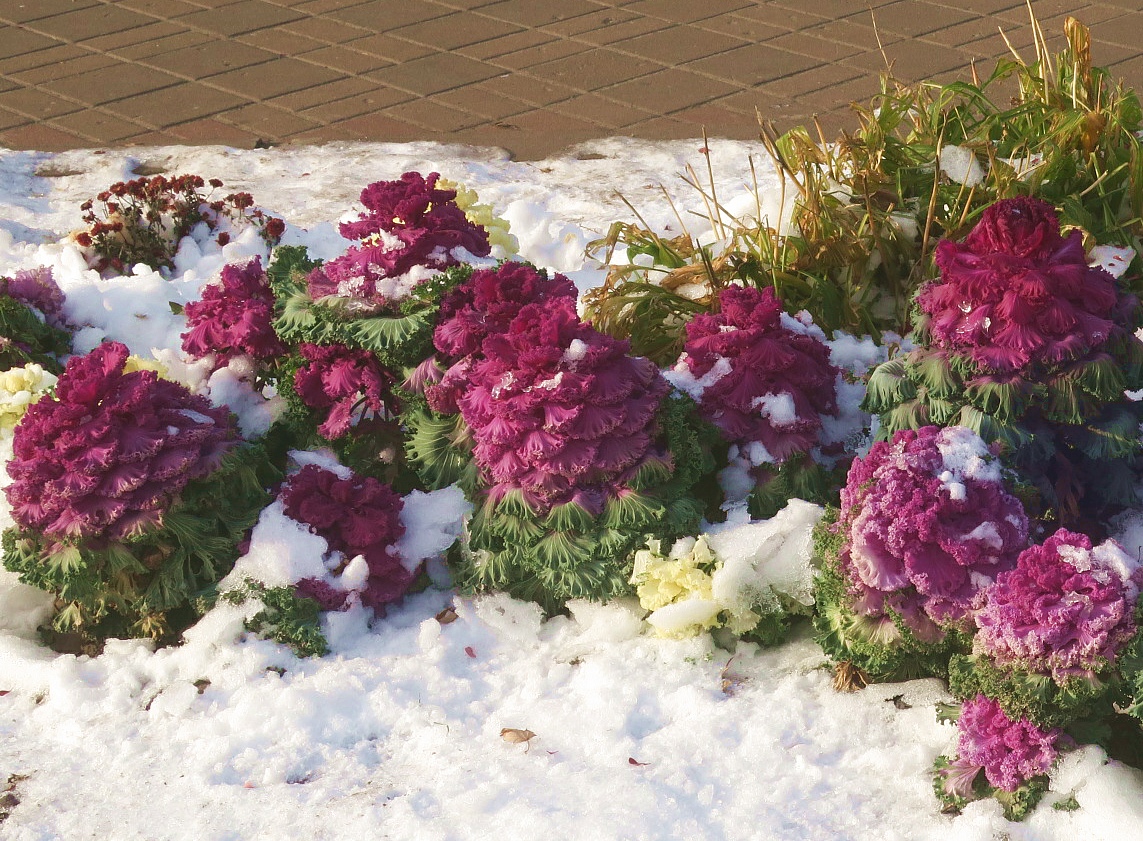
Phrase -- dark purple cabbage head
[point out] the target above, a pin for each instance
(1009, 752)
(1016, 292)
(777, 382)
(488, 301)
(37, 288)
(111, 453)
(349, 383)
(234, 317)
(927, 526)
(408, 224)
(355, 516)
(1067, 609)
(558, 410)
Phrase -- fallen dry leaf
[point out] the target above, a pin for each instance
(447, 616)
(633, 761)
(470, 651)
(516, 736)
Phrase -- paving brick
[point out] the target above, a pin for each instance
(241, 17)
(137, 52)
(582, 24)
(666, 91)
(615, 32)
(532, 56)
(537, 92)
(320, 7)
(1126, 30)
(36, 103)
(383, 15)
(479, 100)
(209, 59)
(266, 121)
(150, 138)
(325, 29)
(823, 49)
(435, 73)
(679, 44)
(393, 49)
(280, 42)
(862, 35)
(320, 94)
(783, 17)
(107, 84)
(69, 67)
(10, 119)
(753, 64)
(129, 37)
(986, 7)
(97, 126)
(686, 11)
(552, 122)
(179, 104)
(594, 108)
(522, 40)
(164, 9)
(353, 106)
(82, 24)
(913, 59)
(15, 40)
(35, 9)
(281, 76)
(816, 78)
(40, 136)
(375, 127)
(751, 31)
(434, 116)
(16, 64)
(457, 30)
(344, 60)
(212, 132)
(668, 128)
(531, 13)
(594, 69)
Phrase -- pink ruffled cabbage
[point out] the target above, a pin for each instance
(558, 410)
(483, 305)
(408, 223)
(927, 525)
(112, 452)
(1065, 610)
(1016, 292)
(767, 365)
(37, 288)
(1009, 752)
(355, 516)
(234, 317)
(347, 382)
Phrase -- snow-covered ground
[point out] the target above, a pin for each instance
(398, 732)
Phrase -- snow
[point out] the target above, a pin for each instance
(397, 732)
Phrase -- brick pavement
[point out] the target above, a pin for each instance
(530, 75)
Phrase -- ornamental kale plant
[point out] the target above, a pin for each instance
(1023, 342)
(130, 496)
(143, 221)
(765, 382)
(1051, 630)
(33, 329)
(925, 525)
(234, 317)
(410, 230)
(1014, 754)
(347, 385)
(579, 453)
(356, 516)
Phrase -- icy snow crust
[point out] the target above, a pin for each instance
(397, 733)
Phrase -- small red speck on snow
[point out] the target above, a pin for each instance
(703, 150)
(470, 651)
(633, 761)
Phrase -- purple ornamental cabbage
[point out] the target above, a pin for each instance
(1009, 752)
(111, 453)
(37, 288)
(1017, 292)
(558, 410)
(344, 381)
(355, 516)
(408, 223)
(777, 383)
(483, 305)
(1066, 609)
(927, 525)
(234, 317)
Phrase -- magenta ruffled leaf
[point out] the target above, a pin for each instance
(348, 384)
(234, 317)
(1010, 752)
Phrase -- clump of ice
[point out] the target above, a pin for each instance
(960, 164)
